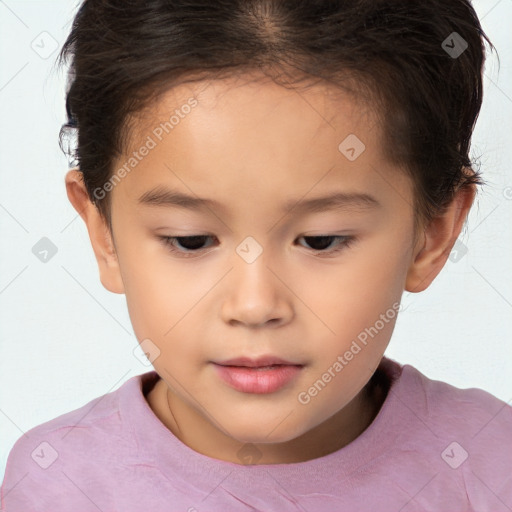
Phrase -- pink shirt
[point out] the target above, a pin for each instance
(432, 447)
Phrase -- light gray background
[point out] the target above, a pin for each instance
(66, 340)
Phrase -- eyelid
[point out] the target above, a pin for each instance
(346, 242)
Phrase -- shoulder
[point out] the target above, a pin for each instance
(467, 411)
(43, 462)
(466, 433)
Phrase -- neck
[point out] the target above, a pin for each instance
(199, 434)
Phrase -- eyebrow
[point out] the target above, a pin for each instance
(162, 196)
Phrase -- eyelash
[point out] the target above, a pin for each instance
(346, 242)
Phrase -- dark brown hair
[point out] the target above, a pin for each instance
(392, 53)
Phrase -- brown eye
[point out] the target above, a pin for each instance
(194, 244)
(320, 243)
(189, 244)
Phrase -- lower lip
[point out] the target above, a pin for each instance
(251, 380)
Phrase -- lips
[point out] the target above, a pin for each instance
(258, 376)
(260, 362)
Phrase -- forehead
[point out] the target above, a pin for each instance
(255, 101)
(244, 140)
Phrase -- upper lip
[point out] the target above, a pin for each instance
(258, 362)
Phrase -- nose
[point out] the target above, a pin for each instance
(256, 296)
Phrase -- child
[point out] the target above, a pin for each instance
(318, 150)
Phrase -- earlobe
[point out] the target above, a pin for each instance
(428, 260)
(106, 256)
(439, 238)
(99, 233)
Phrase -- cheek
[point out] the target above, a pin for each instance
(163, 301)
(152, 300)
(357, 301)
(351, 294)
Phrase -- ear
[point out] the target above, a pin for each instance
(99, 233)
(437, 241)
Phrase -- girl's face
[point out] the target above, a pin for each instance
(255, 283)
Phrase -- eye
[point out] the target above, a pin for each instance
(324, 240)
(192, 244)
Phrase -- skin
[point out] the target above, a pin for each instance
(252, 145)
